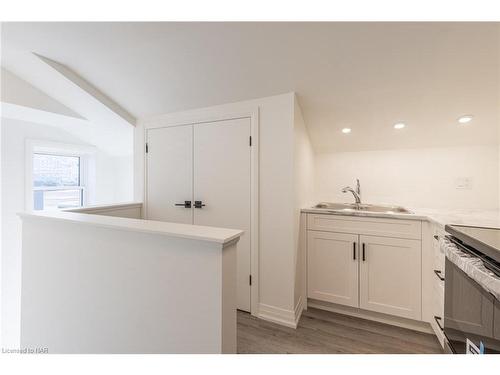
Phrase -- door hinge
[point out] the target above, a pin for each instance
(250, 141)
(250, 279)
(147, 148)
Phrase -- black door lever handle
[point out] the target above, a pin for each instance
(186, 204)
(198, 204)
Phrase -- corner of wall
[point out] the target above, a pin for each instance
(138, 170)
(303, 196)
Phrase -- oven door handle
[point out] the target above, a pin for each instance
(438, 319)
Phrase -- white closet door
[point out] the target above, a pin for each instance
(169, 173)
(222, 182)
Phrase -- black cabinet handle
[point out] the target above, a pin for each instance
(438, 319)
(438, 274)
(186, 204)
(354, 250)
(364, 258)
(198, 204)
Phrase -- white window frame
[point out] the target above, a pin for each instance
(87, 167)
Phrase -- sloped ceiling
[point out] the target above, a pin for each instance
(365, 76)
(21, 101)
(19, 92)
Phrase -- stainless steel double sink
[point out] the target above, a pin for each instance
(361, 207)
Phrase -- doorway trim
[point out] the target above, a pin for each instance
(207, 115)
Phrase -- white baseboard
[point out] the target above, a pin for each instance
(415, 325)
(277, 315)
(290, 318)
(298, 310)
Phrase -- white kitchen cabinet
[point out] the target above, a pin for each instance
(332, 261)
(437, 284)
(385, 278)
(438, 312)
(390, 276)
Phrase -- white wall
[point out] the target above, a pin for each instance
(276, 250)
(114, 183)
(1, 237)
(413, 177)
(304, 196)
(276, 189)
(106, 287)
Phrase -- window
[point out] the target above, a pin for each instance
(57, 181)
(59, 175)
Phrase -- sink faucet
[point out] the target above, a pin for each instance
(356, 193)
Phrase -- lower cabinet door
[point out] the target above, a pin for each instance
(332, 265)
(390, 276)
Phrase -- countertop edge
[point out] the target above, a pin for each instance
(220, 236)
(440, 217)
(365, 214)
(105, 207)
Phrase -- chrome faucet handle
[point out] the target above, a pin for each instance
(357, 198)
(358, 187)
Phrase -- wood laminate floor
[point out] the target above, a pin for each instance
(323, 332)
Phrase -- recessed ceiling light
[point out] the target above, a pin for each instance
(399, 125)
(346, 130)
(465, 119)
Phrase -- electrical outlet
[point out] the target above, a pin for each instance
(464, 183)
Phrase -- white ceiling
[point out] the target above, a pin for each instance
(366, 76)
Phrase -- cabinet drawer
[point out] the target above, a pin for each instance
(438, 233)
(437, 275)
(438, 256)
(438, 265)
(438, 312)
(438, 295)
(366, 225)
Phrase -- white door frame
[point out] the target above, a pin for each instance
(183, 119)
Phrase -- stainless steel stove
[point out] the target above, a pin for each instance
(472, 307)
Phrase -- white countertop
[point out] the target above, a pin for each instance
(187, 231)
(98, 207)
(474, 217)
